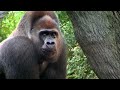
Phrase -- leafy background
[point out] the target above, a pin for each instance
(77, 66)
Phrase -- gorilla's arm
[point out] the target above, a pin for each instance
(19, 59)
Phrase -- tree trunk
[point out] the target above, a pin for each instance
(98, 34)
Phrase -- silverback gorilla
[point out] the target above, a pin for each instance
(35, 50)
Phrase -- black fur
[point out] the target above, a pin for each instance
(25, 56)
(18, 59)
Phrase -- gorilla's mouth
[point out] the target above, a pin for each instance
(48, 52)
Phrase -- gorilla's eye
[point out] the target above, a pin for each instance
(45, 33)
(54, 34)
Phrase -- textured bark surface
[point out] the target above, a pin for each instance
(98, 33)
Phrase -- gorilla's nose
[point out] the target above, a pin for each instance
(50, 43)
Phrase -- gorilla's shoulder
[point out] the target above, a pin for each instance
(16, 43)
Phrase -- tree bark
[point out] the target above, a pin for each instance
(98, 34)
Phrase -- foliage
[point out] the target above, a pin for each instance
(8, 24)
(77, 66)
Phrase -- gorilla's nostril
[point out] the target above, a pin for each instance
(50, 43)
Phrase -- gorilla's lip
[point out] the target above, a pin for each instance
(48, 54)
(48, 51)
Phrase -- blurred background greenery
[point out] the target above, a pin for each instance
(77, 66)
